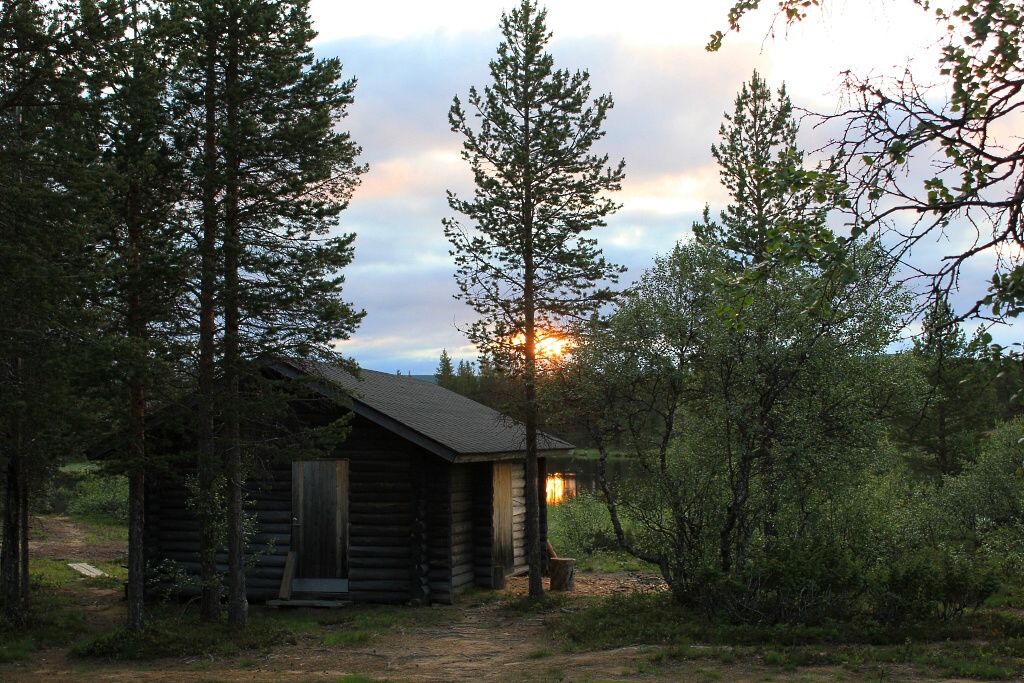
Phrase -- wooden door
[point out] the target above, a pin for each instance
(504, 553)
(320, 540)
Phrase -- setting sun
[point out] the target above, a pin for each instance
(547, 346)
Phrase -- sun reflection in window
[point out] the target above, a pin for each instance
(560, 486)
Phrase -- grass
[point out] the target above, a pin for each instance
(987, 645)
(174, 631)
(171, 633)
(947, 649)
(610, 561)
(370, 622)
(57, 574)
(53, 619)
(527, 605)
(178, 638)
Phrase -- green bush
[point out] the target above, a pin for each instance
(580, 526)
(931, 584)
(97, 495)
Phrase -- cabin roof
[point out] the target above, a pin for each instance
(448, 424)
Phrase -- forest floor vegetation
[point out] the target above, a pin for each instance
(617, 626)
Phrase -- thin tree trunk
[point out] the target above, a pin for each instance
(137, 509)
(9, 560)
(23, 505)
(137, 334)
(207, 462)
(238, 606)
(533, 549)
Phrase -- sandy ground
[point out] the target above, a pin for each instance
(481, 642)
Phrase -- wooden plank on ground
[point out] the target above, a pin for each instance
(331, 604)
(86, 570)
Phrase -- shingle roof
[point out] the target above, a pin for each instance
(452, 426)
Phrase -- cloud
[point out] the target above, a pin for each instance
(670, 95)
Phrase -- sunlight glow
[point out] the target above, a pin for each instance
(547, 345)
(560, 486)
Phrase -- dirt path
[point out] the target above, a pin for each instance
(473, 641)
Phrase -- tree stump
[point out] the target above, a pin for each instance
(563, 573)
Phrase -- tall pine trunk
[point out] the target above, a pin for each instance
(136, 328)
(238, 606)
(10, 589)
(23, 506)
(533, 551)
(206, 505)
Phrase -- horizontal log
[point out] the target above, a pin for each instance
(372, 517)
(383, 491)
(378, 551)
(358, 574)
(275, 487)
(357, 563)
(171, 536)
(442, 599)
(190, 561)
(191, 548)
(464, 577)
(274, 516)
(281, 505)
(373, 461)
(172, 524)
(399, 507)
(379, 596)
(462, 528)
(384, 586)
(379, 531)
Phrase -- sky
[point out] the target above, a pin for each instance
(411, 58)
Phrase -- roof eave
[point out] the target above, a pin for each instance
(413, 436)
(511, 455)
(374, 415)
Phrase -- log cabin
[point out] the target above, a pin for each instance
(424, 498)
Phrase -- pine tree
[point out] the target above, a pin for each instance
(271, 175)
(527, 266)
(445, 373)
(776, 201)
(45, 146)
(956, 408)
(143, 267)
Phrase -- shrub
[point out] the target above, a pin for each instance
(580, 526)
(96, 495)
(930, 584)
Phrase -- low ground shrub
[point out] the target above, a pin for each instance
(580, 526)
(99, 495)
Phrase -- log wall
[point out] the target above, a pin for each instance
(172, 535)
(519, 516)
(419, 527)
